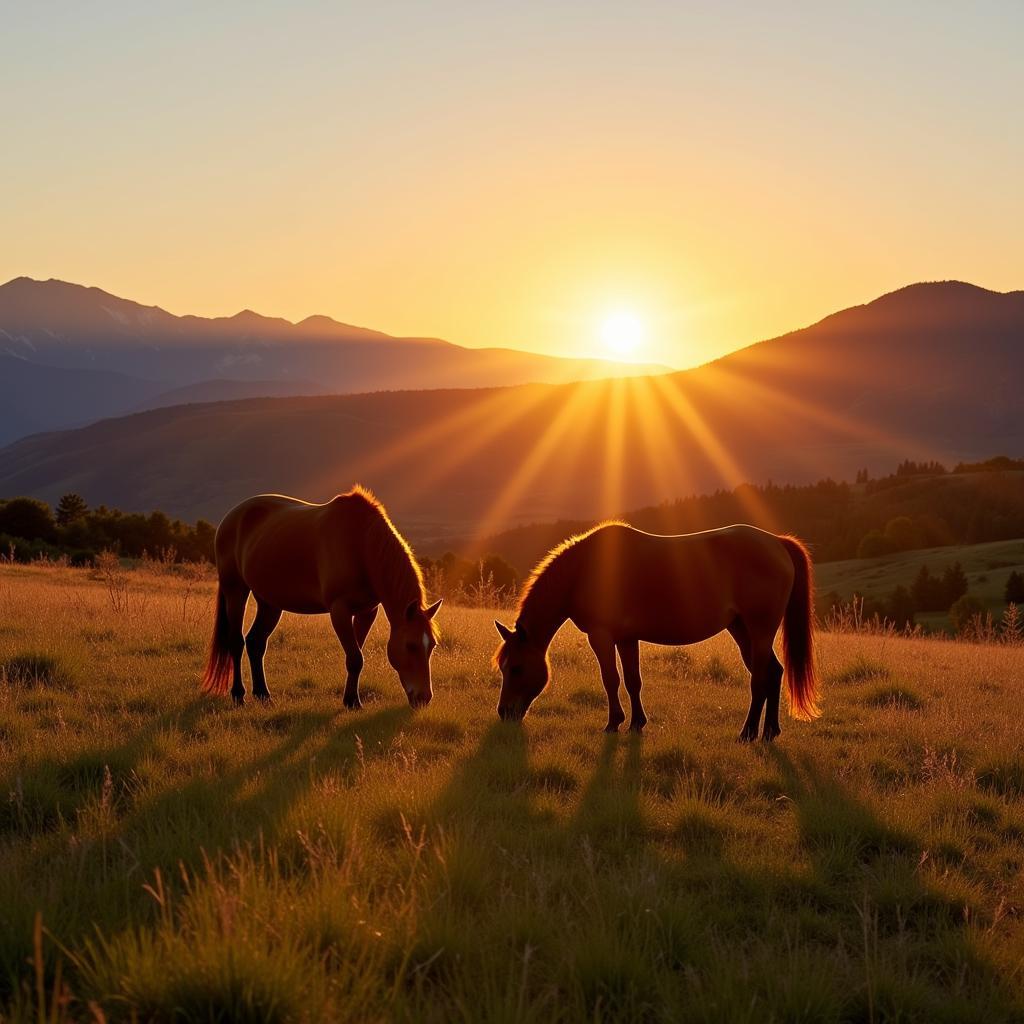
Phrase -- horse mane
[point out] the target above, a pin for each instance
(557, 552)
(395, 558)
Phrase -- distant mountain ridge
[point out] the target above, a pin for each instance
(55, 325)
(931, 371)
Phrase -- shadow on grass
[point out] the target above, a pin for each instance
(920, 956)
(665, 924)
(677, 924)
(124, 835)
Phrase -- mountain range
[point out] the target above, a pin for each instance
(70, 355)
(930, 371)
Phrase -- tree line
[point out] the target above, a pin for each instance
(30, 529)
(919, 505)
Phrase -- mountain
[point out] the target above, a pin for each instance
(930, 371)
(54, 325)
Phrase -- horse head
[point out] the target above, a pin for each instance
(412, 641)
(524, 671)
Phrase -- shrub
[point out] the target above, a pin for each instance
(963, 610)
(33, 669)
(874, 544)
(1014, 592)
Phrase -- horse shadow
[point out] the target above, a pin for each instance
(857, 888)
(245, 805)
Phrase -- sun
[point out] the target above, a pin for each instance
(622, 333)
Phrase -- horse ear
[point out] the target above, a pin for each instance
(504, 632)
(410, 612)
(432, 610)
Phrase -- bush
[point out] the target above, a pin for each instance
(902, 534)
(28, 519)
(963, 611)
(1014, 593)
(874, 544)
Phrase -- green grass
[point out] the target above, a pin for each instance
(987, 567)
(192, 861)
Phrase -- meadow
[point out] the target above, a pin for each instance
(166, 856)
(987, 567)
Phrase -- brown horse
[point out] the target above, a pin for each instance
(620, 586)
(343, 558)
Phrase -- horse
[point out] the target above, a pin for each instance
(343, 558)
(621, 586)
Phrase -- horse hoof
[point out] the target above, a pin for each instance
(746, 737)
(612, 727)
(264, 698)
(637, 728)
(353, 704)
(238, 700)
(769, 737)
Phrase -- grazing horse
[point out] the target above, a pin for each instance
(620, 586)
(343, 558)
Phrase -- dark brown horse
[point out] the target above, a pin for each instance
(343, 558)
(620, 586)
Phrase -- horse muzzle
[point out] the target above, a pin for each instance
(511, 712)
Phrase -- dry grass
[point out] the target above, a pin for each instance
(185, 860)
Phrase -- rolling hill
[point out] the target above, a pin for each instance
(115, 356)
(930, 371)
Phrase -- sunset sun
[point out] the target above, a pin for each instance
(622, 333)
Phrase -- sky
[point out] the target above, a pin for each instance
(662, 181)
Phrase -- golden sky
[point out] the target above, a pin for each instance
(516, 175)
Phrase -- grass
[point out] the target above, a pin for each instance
(184, 860)
(987, 567)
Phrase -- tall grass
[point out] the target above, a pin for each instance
(164, 856)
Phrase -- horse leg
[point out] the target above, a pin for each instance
(235, 599)
(765, 681)
(739, 632)
(362, 622)
(604, 647)
(629, 655)
(341, 620)
(256, 639)
(773, 674)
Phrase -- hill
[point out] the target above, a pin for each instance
(842, 521)
(61, 330)
(987, 567)
(931, 371)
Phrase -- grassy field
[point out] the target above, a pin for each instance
(192, 861)
(987, 567)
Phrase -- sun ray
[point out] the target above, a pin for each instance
(520, 479)
(728, 468)
(855, 429)
(613, 400)
(657, 442)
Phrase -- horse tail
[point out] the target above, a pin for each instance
(220, 664)
(798, 635)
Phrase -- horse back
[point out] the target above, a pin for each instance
(291, 553)
(679, 589)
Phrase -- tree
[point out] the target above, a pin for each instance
(28, 519)
(963, 611)
(928, 592)
(873, 544)
(902, 534)
(1014, 593)
(901, 607)
(71, 508)
(954, 583)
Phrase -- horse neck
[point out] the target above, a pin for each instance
(546, 606)
(392, 574)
